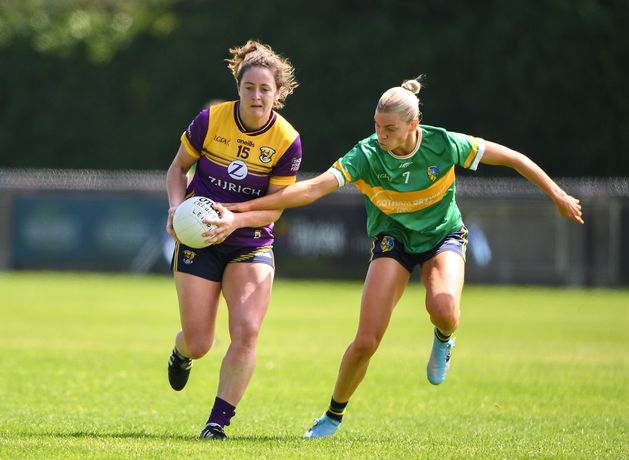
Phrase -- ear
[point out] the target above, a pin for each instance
(414, 123)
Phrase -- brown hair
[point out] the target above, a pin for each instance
(256, 54)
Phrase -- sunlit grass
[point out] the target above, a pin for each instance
(536, 373)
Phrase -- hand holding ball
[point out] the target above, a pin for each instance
(188, 221)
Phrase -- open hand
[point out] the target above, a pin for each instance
(225, 225)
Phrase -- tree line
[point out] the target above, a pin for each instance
(112, 84)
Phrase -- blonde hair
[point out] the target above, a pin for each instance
(256, 54)
(402, 99)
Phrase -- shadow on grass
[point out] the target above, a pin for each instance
(157, 436)
(98, 435)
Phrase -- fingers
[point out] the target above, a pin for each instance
(169, 222)
(571, 208)
(215, 236)
(577, 215)
(218, 232)
(219, 208)
(213, 222)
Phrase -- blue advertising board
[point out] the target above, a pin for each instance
(87, 231)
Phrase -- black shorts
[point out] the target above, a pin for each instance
(387, 246)
(210, 262)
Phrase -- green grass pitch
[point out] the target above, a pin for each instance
(536, 373)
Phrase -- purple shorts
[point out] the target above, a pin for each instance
(210, 262)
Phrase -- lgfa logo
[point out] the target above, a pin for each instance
(221, 140)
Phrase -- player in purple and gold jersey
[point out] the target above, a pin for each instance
(406, 173)
(242, 150)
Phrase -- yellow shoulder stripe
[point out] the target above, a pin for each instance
(282, 180)
(190, 150)
(471, 155)
(337, 165)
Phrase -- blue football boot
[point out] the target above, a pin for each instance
(439, 361)
(323, 427)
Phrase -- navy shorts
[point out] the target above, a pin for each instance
(210, 262)
(387, 246)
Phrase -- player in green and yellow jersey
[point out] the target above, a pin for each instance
(405, 172)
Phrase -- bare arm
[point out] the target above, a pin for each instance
(499, 155)
(298, 194)
(176, 182)
(230, 221)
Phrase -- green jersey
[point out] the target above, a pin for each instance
(411, 197)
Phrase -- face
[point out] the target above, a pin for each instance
(257, 92)
(393, 131)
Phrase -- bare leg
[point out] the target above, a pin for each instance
(384, 285)
(247, 290)
(443, 276)
(198, 303)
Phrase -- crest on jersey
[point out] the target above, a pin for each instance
(433, 172)
(387, 244)
(266, 154)
(188, 256)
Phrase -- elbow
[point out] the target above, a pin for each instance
(173, 171)
(176, 172)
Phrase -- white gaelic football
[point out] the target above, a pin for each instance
(188, 221)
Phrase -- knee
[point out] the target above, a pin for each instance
(198, 348)
(444, 312)
(245, 336)
(363, 348)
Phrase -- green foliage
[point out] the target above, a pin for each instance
(102, 27)
(112, 84)
(536, 373)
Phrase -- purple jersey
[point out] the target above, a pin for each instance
(236, 165)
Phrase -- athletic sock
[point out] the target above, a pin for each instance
(222, 412)
(336, 410)
(441, 336)
(180, 356)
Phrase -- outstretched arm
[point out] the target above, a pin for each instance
(499, 155)
(298, 194)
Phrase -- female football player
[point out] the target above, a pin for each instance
(406, 173)
(242, 150)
